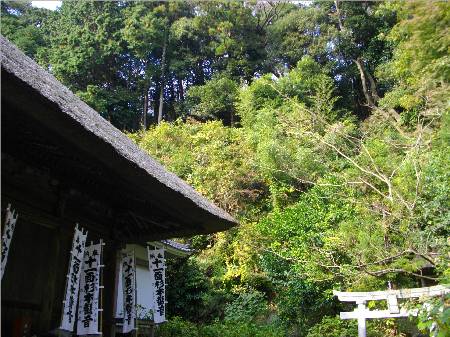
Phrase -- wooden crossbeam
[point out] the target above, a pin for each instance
(391, 297)
(370, 314)
(439, 290)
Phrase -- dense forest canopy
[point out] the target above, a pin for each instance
(322, 126)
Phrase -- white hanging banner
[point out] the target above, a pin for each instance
(88, 308)
(129, 292)
(8, 231)
(157, 266)
(73, 280)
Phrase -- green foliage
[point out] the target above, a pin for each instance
(214, 100)
(84, 43)
(342, 203)
(334, 327)
(241, 330)
(434, 316)
(144, 28)
(269, 120)
(210, 157)
(301, 32)
(420, 67)
(301, 304)
(246, 307)
(24, 25)
(284, 118)
(188, 288)
(295, 232)
(178, 327)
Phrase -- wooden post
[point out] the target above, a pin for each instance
(101, 289)
(110, 281)
(361, 319)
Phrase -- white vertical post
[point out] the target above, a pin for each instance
(361, 319)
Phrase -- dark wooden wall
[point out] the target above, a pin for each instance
(34, 280)
(53, 184)
(30, 283)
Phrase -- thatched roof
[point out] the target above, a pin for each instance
(76, 122)
(173, 247)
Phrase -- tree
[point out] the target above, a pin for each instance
(299, 31)
(345, 37)
(419, 70)
(214, 100)
(144, 32)
(24, 25)
(87, 54)
(358, 41)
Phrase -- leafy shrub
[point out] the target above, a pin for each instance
(188, 285)
(237, 329)
(177, 327)
(434, 316)
(334, 327)
(248, 305)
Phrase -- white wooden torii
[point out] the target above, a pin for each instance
(391, 297)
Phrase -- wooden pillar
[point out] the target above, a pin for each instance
(51, 300)
(110, 282)
(361, 319)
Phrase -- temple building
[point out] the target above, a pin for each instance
(63, 164)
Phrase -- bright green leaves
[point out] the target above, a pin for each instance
(285, 120)
(212, 158)
(420, 65)
(214, 100)
(305, 234)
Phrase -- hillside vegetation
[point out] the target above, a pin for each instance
(323, 128)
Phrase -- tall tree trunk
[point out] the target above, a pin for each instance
(199, 78)
(371, 94)
(173, 97)
(373, 87)
(338, 13)
(362, 74)
(180, 89)
(144, 113)
(163, 70)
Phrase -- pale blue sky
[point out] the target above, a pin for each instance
(49, 4)
(52, 4)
